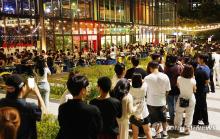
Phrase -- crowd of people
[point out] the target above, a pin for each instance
(177, 80)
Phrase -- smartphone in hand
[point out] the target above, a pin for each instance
(31, 83)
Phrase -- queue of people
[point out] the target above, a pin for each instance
(137, 97)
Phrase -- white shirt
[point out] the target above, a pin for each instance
(157, 86)
(139, 101)
(44, 77)
(217, 59)
(186, 87)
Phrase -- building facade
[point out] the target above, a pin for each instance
(89, 24)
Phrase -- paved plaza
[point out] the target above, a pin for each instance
(212, 132)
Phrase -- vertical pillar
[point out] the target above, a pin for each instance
(157, 21)
(42, 29)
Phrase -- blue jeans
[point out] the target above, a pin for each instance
(171, 102)
(44, 88)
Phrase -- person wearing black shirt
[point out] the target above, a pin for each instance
(29, 112)
(77, 119)
(135, 69)
(202, 79)
(110, 109)
(210, 64)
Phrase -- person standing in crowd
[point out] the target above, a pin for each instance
(210, 64)
(110, 109)
(187, 86)
(172, 69)
(158, 86)
(9, 123)
(135, 69)
(42, 71)
(139, 118)
(202, 80)
(16, 92)
(216, 68)
(121, 92)
(77, 119)
(119, 73)
(157, 58)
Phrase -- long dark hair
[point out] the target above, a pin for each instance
(40, 65)
(121, 89)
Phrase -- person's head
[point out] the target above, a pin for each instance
(155, 57)
(136, 80)
(15, 86)
(122, 88)
(135, 61)
(188, 71)
(202, 59)
(171, 60)
(9, 123)
(77, 85)
(152, 66)
(119, 69)
(73, 73)
(104, 84)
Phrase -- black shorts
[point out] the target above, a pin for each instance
(157, 114)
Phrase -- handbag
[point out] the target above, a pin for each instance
(184, 102)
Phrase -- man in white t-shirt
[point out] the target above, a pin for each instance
(158, 85)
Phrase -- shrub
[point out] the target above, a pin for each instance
(48, 127)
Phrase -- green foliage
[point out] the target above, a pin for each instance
(57, 90)
(48, 127)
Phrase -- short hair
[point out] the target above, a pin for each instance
(153, 65)
(9, 122)
(105, 83)
(135, 61)
(119, 68)
(76, 84)
(204, 57)
(136, 80)
(121, 89)
(188, 71)
(155, 56)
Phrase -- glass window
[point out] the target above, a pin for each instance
(1, 6)
(48, 9)
(56, 8)
(58, 27)
(66, 11)
(89, 9)
(9, 6)
(75, 28)
(67, 27)
(101, 9)
(81, 9)
(83, 28)
(67, 42)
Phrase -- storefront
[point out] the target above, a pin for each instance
(83, 24)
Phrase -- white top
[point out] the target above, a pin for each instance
(44, 77)
(157, 86)
(139, 95)
(127, 107)
(217, 59)
(186, 87)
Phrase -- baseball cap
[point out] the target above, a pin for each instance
(15, 80)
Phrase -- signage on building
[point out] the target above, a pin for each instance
(171, 36)
(187, 36)
(14, 22)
